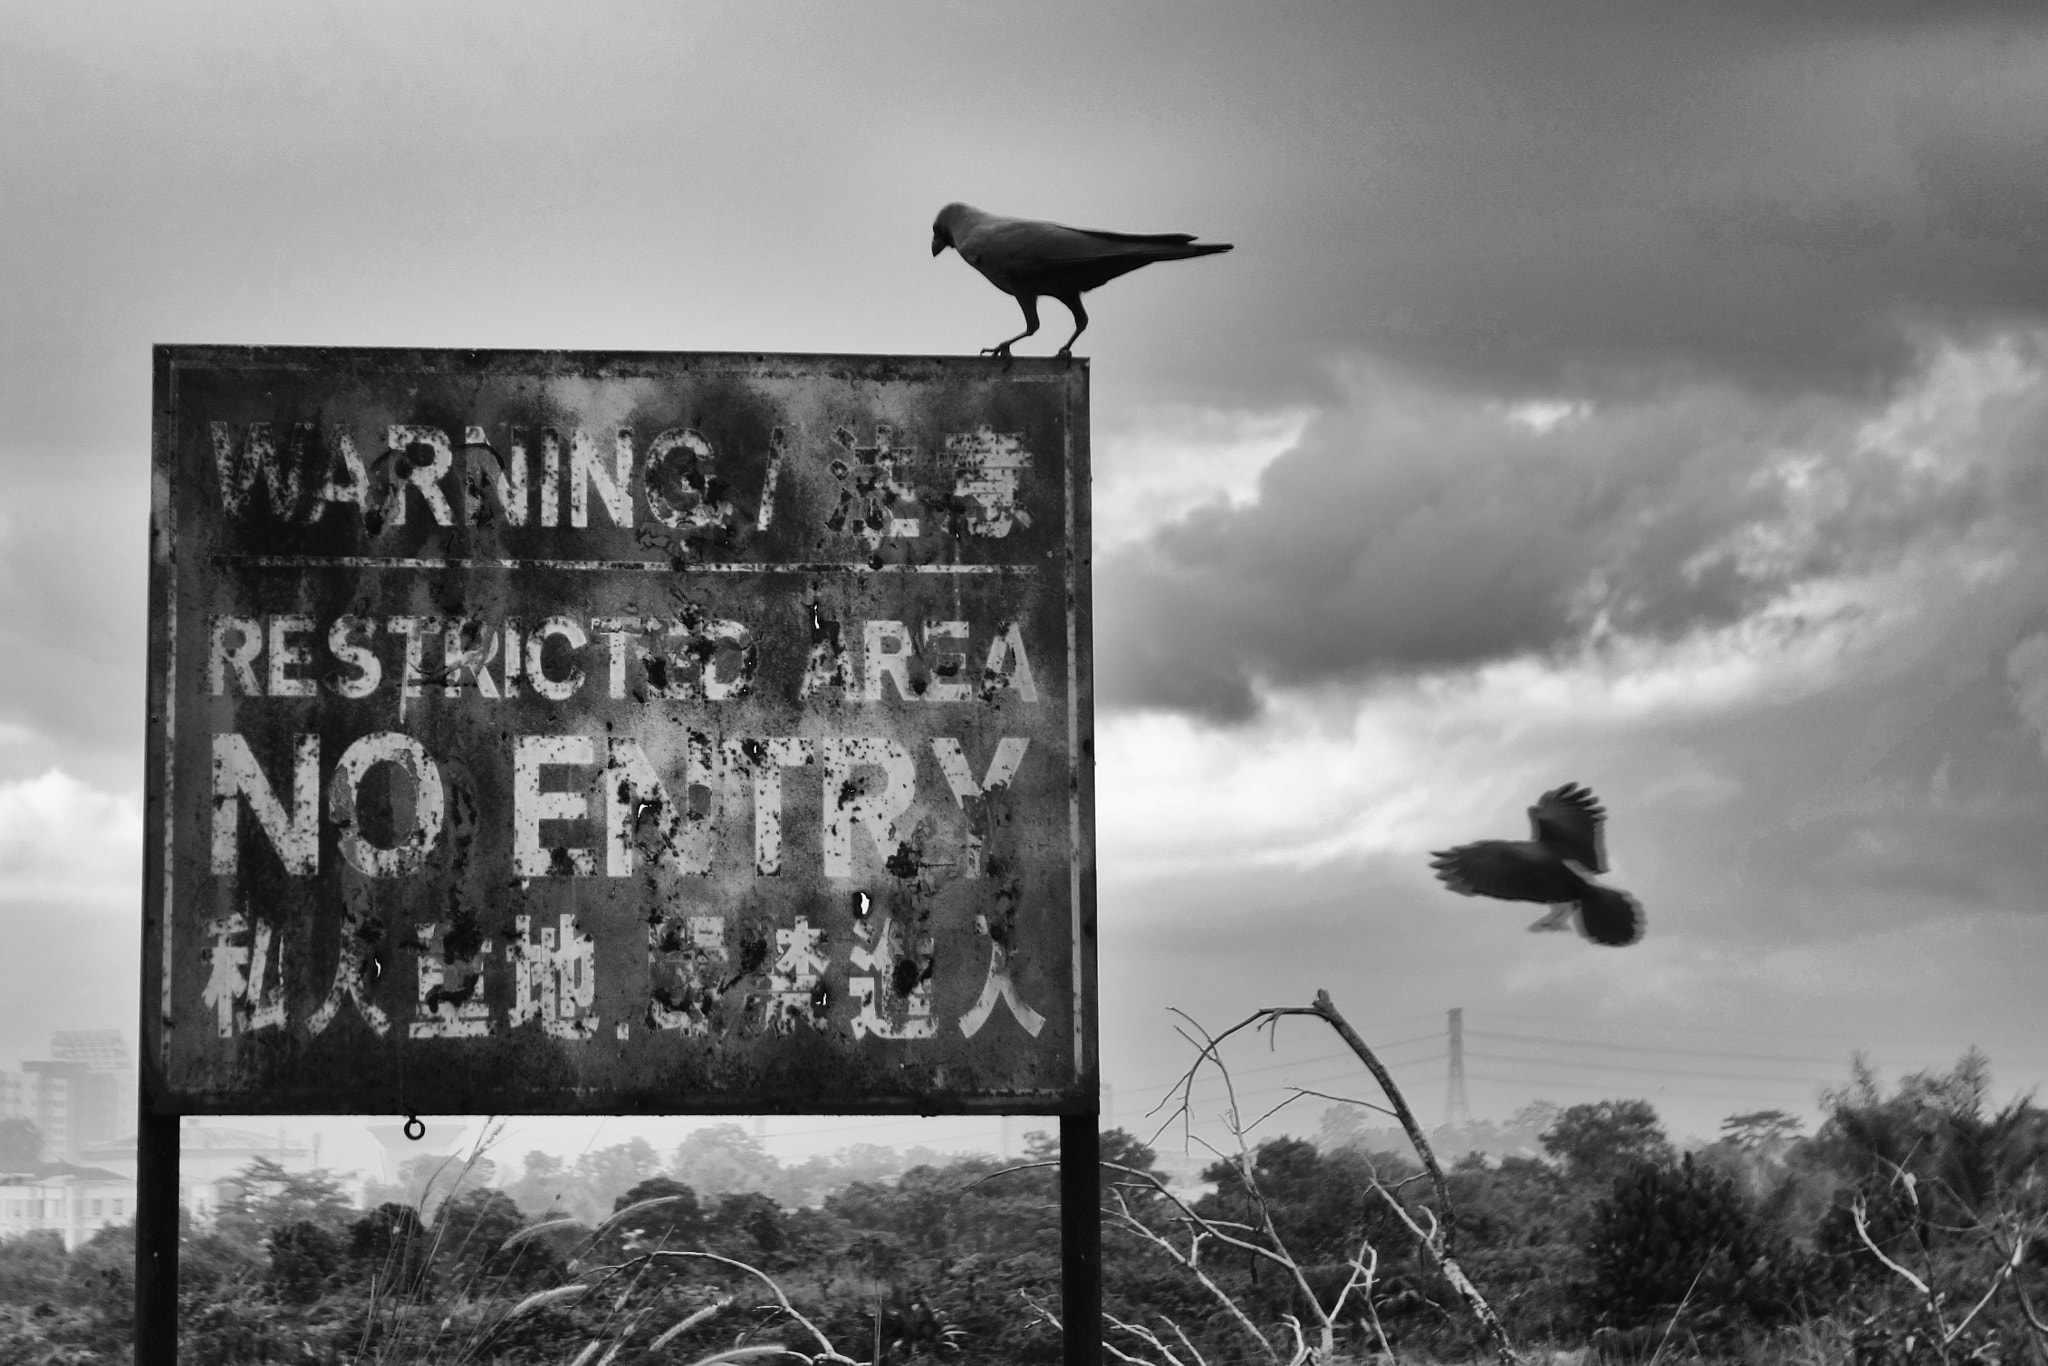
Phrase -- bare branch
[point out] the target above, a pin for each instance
(1192, 1350)
(1856, 1212)
(1346, 1100)
(1042, 1311)
(1190, 1261)
(2010, 1268)
(1139, 1330)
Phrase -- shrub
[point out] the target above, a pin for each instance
(1672, 1239)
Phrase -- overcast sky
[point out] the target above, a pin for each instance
(1653, 396)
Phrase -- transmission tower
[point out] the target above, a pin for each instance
(1456, 1108)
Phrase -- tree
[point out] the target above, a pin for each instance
(610, 1172)
(31, 1266)
(539, 1189)
(720, 1159)
(392, 1245)
(1682, 1239)
(748, 1225)
(470, 1227)
(679, 1222)
(21, 1143)
(1764, 1133)
(1603, 1139)
(1942, 1207)
(302, 1256)
(427, 1180)
(264, 1196)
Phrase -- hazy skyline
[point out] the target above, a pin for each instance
(1653, 396)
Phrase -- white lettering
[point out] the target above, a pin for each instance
(614, 486)
(240, 463)
(555, 689)
(424, 475)
(506, 480)
(248, 634)
(421, 828)
(948, 682)
(369, 673)
(284, 656)
(530, 805)
(848, 802)
(885, 653)
(348, 480)
(1008, 666)
(236, 775)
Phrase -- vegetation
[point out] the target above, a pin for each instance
(1911, 1228)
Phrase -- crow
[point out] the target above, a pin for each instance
(1027, 258)
(1566, 846)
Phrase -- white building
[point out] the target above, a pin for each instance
(76, 1202)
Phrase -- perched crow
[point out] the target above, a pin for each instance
(1555, 864)
(1027, 258)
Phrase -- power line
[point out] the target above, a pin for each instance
(1644, 1070)
(1534, 1086)
(1651, 1048)
(1858, 1040)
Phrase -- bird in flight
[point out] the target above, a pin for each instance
(1555, 864)
(1029, 258)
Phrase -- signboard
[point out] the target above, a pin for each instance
(551, 732)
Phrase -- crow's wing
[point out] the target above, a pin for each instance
(1609, 916)
(1026, 255)
(1570, 822)
(1496, 868)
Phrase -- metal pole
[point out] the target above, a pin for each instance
(1080, 1239)
(156, 1240)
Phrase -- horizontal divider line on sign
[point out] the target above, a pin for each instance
(613, 566)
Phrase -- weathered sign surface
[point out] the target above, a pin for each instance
(560, 732)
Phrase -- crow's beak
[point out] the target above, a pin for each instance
(939, 244)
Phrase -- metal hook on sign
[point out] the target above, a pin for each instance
(415, 1129)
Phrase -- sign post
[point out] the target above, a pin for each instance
(540, 732)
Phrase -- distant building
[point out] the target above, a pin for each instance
(75, 1202)
(82, 1099)
(83, 1093)
(209, 1156)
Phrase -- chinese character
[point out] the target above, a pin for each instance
(796, 988)
(906, 979)
(554, 980)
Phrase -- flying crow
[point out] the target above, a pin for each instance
(1555, 865)
(1028, 258)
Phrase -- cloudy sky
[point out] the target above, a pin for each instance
(1648, 395)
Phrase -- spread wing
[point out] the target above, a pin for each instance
(1610, 916)
(1570, 822)
(1496, 868)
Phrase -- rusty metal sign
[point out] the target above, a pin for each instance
(548, 732)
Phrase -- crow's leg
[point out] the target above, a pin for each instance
(1558, 919)
(1030, 305)
(1073, 303)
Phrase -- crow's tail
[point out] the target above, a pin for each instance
(1608, 915)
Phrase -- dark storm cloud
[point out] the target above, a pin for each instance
(1588, 196)
(1558, 196)
(1418, 530)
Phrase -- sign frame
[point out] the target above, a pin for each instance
(177, 555)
